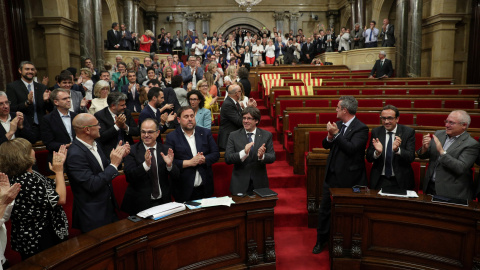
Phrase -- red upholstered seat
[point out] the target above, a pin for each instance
(426, 103)
(349, 92)
(315, 139)
(460, 104)
(446, 91)
(377, 92)
(342, 77)
(395, 82)
(417, 83)
(368, 167)
(406, 119)
(475, 121)
(347, 83)
(471, 91)
(440, 82)
(215, 137)
(294, 119)
(370, 103)
(369, 118)
(325, 92)
(324, 118)
(359, 77)
(399, 103)
(316, 103)
(68, 207)
(431, 119)
(276, 93)
(283, 105)
(120, 185)
(396, 92)
(326, 77)
(416, 175)
(222, 173)
(374, 83)
(333, 83)
(420, 91)
(418, 140)
(295, 84)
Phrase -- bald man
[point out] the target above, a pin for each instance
(90, 174)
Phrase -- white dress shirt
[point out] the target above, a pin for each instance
(193, 147)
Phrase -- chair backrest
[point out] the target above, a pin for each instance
(289, 103)
(427, 103)
(369, 118)
(316, 103)
(301, 90)
(399, 103)
(460, 104)
(315, 139)
(294, 119)
(420, 91)
(370, 103)
(324, 118)
(347, 92)
(377, 92)
(431, 119)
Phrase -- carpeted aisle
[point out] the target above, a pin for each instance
(294, 241)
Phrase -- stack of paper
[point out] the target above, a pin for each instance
(162, 210)
(410, 194)
(227, 201)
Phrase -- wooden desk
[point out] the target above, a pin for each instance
(233, 237)
(369, 231)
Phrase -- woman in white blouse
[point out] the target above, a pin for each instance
(102, 89)
(86, 75)
(270, 52)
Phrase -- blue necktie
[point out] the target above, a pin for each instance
(35, 117)
(388, 156)
(250, 137)
(371, 32)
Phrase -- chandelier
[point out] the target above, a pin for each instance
(247, 4)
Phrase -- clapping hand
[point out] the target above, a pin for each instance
(261, 151)
(58, 160)
(378, 146)
(332, 129)
(168, 158)
(7, 192)
(248, 147)
(396, 143)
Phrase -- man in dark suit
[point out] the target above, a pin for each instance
(191, 73)
(114, 37)
(452, 153)
(116, 123)
(126, 42)
(388, 33)
(13, 124)
(167, 43)
(131, 90)
(392, 150)
(147, 169)
(308, 49)
(95, 73)
(155, 99)
(357, 38)
(345, 168)
(56, 128)
(78, 102)
(250, 149)
(319, 43)
(177, 42)
(195, 152)
(230, 115)
(90, 174)
(29, 97)
(383, 67)
(142, 70)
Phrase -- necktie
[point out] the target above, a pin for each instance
(35, 117)
(388, 156)
(154, 175)
(371, 32)
(381, 63)
(249, 135)
(342, 130)
(238, 107)
(120, 136)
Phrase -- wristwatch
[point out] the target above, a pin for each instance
(444, 152)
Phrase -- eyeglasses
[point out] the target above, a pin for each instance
(6, 103)
(205, 85)
(450, 123)
(390, 118)
(248, 118)
(149, 132)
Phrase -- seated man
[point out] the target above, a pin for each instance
(383, 67)
(147, 169)
(56, 128)
(90, 174)
(13, 124)
(195, 152)
(452, 153)
(250, 149)
(116, 123)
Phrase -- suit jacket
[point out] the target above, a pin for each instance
(54, 133)
(93, 198)
(133, 104)
(113, 39)
(310, 50)
(320, 45)
(203, 118)
(170, 97)
(26, 132)
(76, 100)
(277, 49)
(166, 45)
(139, 191)
(401, 164)
(147, 112)
(343, 41)
(230, 120)
(359, 34)
(18, 94)
(182, 189)
(347, 156)
(126, 42)
(187, 75)
(109, 135)
(141, 74)
(176, 38)
(386, 69)
(453, 176)
(390, 33)
(251, 167)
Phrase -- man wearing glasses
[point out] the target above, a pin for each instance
(90, 174)
(249, 149)
(147, 169)
(392, 150)
(13, 124)
(117, 123)
(452, 153)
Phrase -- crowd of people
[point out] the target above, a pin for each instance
(250, 48)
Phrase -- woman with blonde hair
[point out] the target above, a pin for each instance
(146, 41)
(212, 87)
(87, 83)
(231, 75)
(101, 91)
(243, 98)
(168, 75)
(210, 102)
(38, 219)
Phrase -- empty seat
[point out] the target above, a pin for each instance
(294, 119)
(324, 118)
(316, 103)
(418, 140)
(372, 92)
(475, 121)
(395, 83)
(395, 91)
(349, 92)
(370, 103)
(399, 103)
(440, 82)
(471, 91)
(326, 92)
(425, 103)
(374, 83)
(407, 119)
(460, 104)
(417, 83)
(283, 105)
(431, 119)
(416, 175)
(446, 91)
(369, 118)
(333, 83)
(347, 83)
(420, 91)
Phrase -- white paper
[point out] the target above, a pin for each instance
(410, 194)
(162, 210)
(226, 201)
